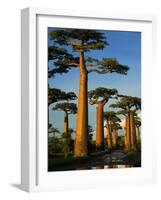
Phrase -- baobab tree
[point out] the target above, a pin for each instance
(82, 41)
(100, 96)
(129, 106)
(68, 108)
(115, 127)
(55, 95)
(111, 120)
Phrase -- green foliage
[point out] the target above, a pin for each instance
(82, 40)
(116, 125)
(66, 139)
(111, 65)
(59, 59)
(53, 130)
(70, 108)
(134, 157)
(128, 103)
(112, 117)
(79, 39)
(101, 94)
(54, 146)
(55, 95)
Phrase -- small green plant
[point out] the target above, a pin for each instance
(134, 157)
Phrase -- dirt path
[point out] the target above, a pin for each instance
(115, 157)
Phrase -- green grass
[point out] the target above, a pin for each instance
(134, 157)
(56, 163)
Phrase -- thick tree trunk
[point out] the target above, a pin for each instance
(66, 122)
(99, 127)
(125, 135)
(81, 140)
(114, 137)
(128, 134)
(132, 131)
(109, 136)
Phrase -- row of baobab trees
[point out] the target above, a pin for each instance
(61, 60)
(126, 106)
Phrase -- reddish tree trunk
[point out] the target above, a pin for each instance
(125, 135)
(128, 134)
(132, 131)
(66, 122)
(109, 136)
(99, 127)
(81, 140)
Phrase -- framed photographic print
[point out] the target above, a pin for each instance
(86, 106)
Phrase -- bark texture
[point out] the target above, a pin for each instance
(125, 135)
(99, 127)
(128, 134)
(66, 122)
(81, 140)
(109, 136)
(132, 131)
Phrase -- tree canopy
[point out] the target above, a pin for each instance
(82, 40)
(101, 94)
(111, 117)
(70, 108)
(55, 95)
(128, 103)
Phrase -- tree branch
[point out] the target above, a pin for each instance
(98, 71)
(75, 64)
(93, 101)
(91, 64)
(73, 43)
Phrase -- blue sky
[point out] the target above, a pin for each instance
(126, 48)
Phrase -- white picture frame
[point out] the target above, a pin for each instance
(33, 175)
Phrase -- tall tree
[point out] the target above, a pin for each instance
(129, 106)
(100, 96)
(68, 108)
(82, 41)
(115, 127)
(55, 95)
(111, 121)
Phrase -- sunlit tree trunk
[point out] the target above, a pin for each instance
(125, 135)
(66, 122)
(132, 131)
(109, 136)
(114, 137)
(99, 127)
(81, 140)
(128, 134)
